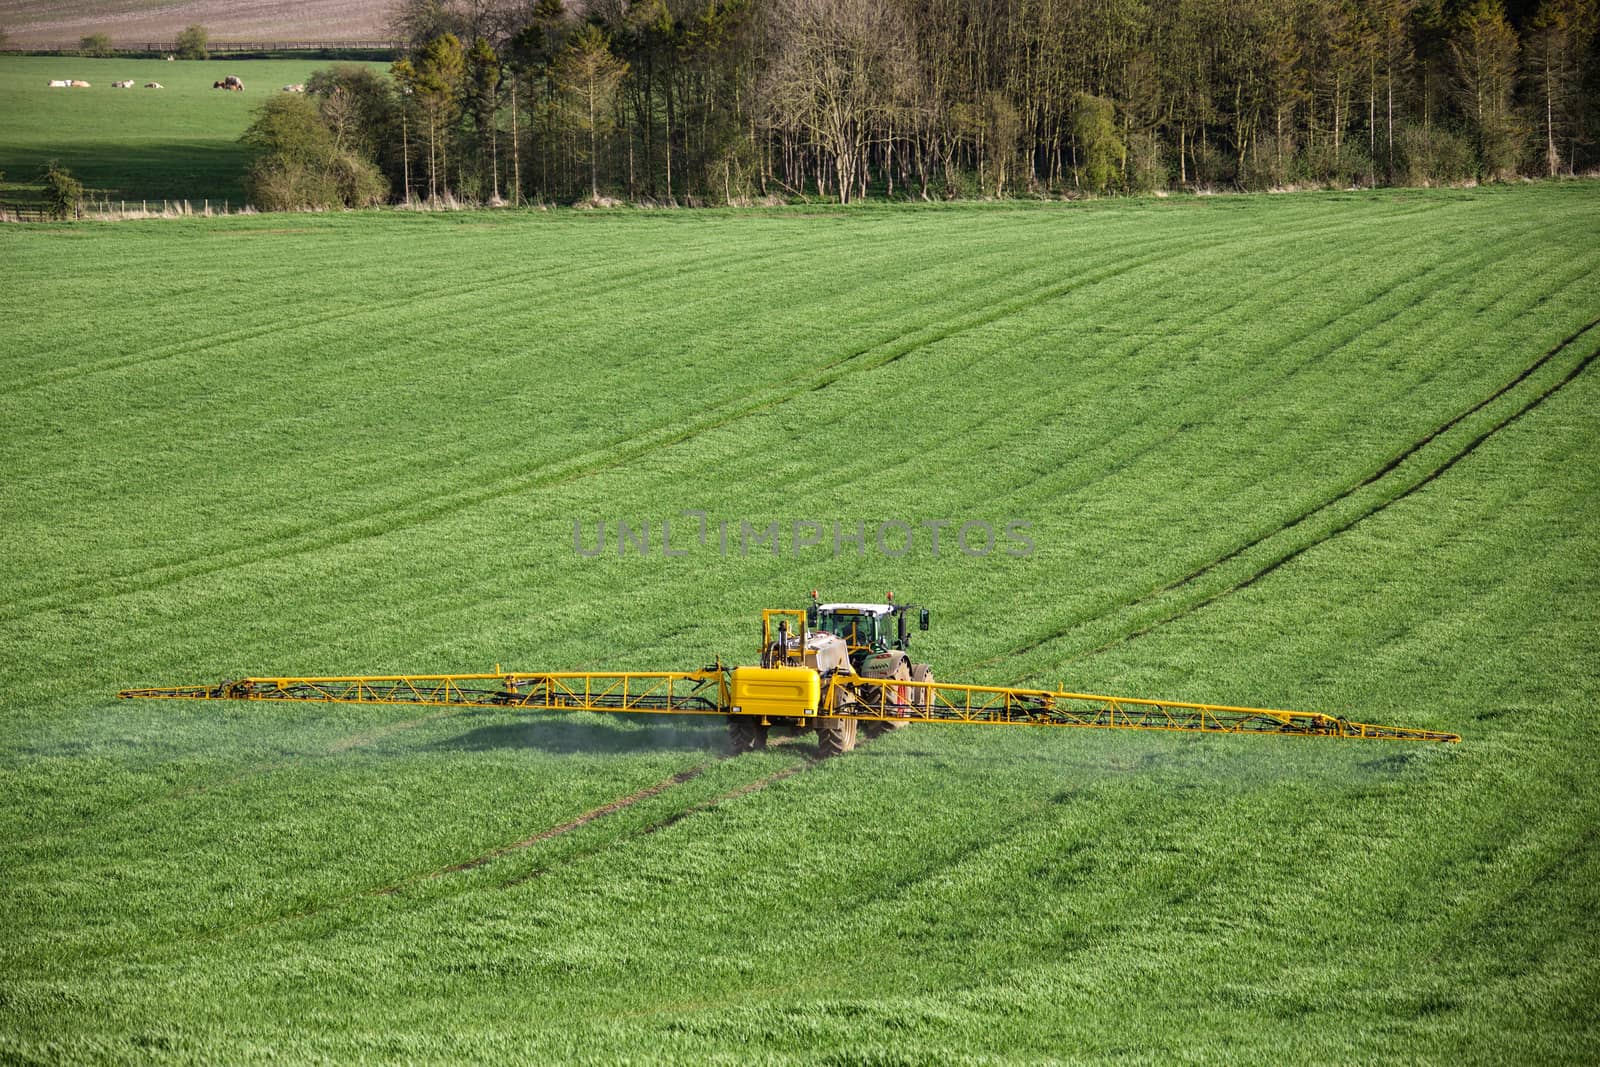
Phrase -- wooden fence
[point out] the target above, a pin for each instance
(104, 209)
(22, 213)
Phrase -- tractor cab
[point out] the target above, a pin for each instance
(865, 628)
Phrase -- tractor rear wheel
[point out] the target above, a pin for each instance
(745, 734)
(921, 672)
(880, 727)
(835, 736)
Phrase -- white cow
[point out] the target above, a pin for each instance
(61, 85)
(123, 85)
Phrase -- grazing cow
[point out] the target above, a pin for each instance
(154, 85)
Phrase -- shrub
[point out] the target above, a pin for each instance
(1207, 164)
(357, 181)
(95, 44)
(1147, 169)
(286, 184)
(1100, 150)
(1433, 154)
(192, 42)
(63, 194)
(358, 107)
(298, 165)
(1259, 172)
(1351, 165)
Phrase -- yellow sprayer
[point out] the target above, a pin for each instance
(832, 668)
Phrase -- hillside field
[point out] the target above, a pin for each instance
(51, 23)
(180, 142)
(1333, 452)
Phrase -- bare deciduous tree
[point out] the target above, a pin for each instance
(833, 79)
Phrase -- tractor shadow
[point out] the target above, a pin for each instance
(588, 735)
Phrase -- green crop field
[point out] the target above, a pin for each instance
(1332, 452)
(178, 142)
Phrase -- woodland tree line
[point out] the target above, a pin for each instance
(696, 101)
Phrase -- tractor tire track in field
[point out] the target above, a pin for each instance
(1165, 437)
(481, 289)
(180, 943)
(1426, 282)
(430, 507)
(619, 804)
(664, 822)
(487, 288)
(1249, 302)
(570, 825)
(1168, 423)
(336, 747)
(408, 513)
(622, 803)
(1433, 475)
(1405, 293)
(1379, 476)
(1389, 466)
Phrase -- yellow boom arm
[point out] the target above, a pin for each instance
(845, 696)
(889, 700)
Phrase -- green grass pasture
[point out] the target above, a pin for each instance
(178, 142)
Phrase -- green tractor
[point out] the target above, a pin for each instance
(840, 640)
